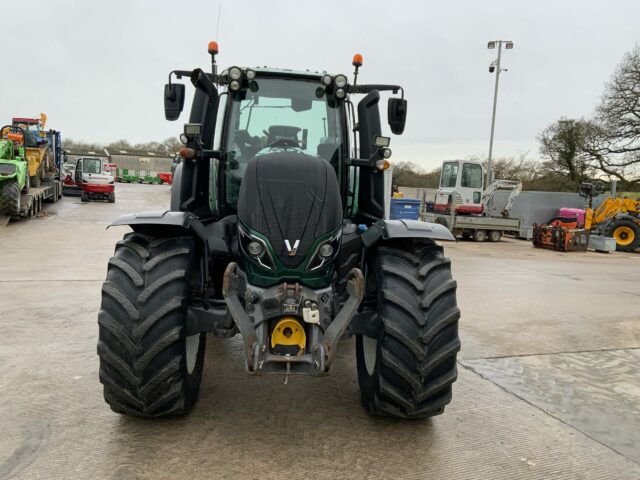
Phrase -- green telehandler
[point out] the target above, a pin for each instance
(276, 231)
(14, 173)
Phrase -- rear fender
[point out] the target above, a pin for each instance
(392, 229)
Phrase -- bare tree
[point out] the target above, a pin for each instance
(408, 174)
(70, 144)
(614, 142)
(172, 144)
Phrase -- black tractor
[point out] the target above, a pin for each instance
(277, 231)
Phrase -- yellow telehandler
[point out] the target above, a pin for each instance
(619, 218)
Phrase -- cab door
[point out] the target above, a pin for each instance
(78, 173)
(470, 187)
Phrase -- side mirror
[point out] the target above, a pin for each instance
(173, 100)
(397, 114)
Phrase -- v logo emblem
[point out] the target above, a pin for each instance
(292, 251)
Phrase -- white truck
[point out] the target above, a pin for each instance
(463, 204)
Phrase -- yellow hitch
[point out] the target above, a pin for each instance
(288, 336)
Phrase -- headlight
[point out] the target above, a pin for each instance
(234, 85)
(325, 252)
(340, 93)
(340, 81)
(326, 79)
(255, 249)
(235, 73)
(250, 74)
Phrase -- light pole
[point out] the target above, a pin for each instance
(495, 66)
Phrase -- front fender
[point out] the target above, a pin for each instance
(214, 236)
(18, 168)
(156, 217)
(389, 229)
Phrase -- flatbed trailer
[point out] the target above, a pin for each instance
(478, 227)
(32, 203)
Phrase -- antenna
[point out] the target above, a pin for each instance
(218, 24)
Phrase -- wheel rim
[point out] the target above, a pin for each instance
(192, 345)
(624, 236)
(370, 352)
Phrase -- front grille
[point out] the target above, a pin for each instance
(7, 169)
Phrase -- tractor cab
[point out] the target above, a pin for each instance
(34, 129)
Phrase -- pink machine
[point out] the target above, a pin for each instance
(576, 213)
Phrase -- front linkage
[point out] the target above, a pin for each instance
(315, 307)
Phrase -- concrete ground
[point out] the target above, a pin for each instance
(548, 387)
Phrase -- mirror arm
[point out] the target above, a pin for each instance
(371, 87)
(363, 162)
(202, 80)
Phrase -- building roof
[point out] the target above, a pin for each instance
(129, 152)
(86, 152)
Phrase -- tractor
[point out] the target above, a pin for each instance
(14, 173)
(38, 148)
(276, 231)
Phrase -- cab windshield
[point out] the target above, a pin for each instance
(277, 113)
(91, 165)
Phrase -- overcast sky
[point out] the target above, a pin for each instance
(97, 68)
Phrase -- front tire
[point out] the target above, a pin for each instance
(10, 198)
(148, 365)
(409, 368)
(627, 234)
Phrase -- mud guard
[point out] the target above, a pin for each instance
(156, 217)
(213, 237)
(389, 229)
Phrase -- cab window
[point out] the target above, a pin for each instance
(449, 174)
(471, 175)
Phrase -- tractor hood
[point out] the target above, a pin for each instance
(292, 199)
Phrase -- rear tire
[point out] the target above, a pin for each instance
(84, 197)
(479, 235)
(10, 198)
(148, 366)
(409, 369)
(495, 235)
(112, 197)
(627, 234)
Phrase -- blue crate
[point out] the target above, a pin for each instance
(405, 209)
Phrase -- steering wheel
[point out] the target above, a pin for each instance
(284, 142)
(13, 129)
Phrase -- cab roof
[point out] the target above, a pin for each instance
(284, 72)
